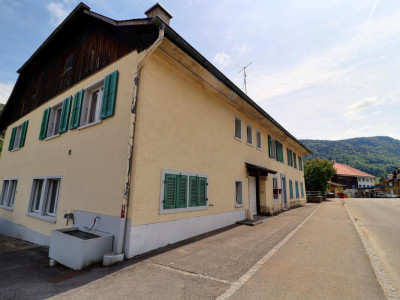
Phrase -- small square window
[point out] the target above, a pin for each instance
(68, 62)
(258, 135)
(44, 198)
(249, 130)
(91, 104)
(238, 193)
(8, 191)
(238, 128)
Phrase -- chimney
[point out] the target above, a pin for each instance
(158, 11)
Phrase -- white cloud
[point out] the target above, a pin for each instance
(222, 59)
(242, 49)
(58, 13)
(356, 109)
(5, 91)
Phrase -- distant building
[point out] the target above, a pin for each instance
(354, 181)
(391, 185)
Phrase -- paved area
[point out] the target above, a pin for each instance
(312, 252)
(378, 219)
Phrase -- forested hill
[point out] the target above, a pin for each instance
(377, 155)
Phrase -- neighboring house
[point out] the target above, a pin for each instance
(353, 181)
(391, 184)
(125, 123)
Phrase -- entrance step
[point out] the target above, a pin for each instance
(249, 222)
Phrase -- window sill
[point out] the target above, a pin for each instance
(251, 145)
(183, 209)
(236, 138)
(88, 125)
(12, 150)
(44, 218)
(259, 149)
(52, 137)
(238, 205)
(10, 208)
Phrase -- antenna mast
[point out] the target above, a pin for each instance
(244, 76)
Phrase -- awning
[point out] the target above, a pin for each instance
(254, 169)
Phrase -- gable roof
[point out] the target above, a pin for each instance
(345, 170)
(177, 40)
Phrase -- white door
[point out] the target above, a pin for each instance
(252, 195)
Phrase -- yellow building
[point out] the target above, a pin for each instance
(125, 126)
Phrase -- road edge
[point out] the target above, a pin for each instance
(387, 286)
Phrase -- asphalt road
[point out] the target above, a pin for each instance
(313, 252)
(379, 220)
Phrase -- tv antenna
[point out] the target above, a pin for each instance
(244, 76)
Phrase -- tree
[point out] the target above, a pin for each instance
(317, 173)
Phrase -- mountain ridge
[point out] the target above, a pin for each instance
(377, 155)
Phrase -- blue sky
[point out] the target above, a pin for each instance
(323, 69)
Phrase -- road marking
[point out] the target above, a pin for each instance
(242, 280)
(188, 273)
(383, 279)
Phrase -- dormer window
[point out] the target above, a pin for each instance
(68, 62)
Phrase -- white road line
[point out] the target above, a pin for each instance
(383, 279)
(242, 280)
(189, 273)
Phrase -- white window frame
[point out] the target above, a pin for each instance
(181, 209)
(239, 138)
(249, 134)
(258, 139)
(8, 192)
(87, 103)
(52, 127)
(17, 137)
(238, 193)
(42, 212)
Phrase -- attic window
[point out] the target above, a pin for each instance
(68, 62)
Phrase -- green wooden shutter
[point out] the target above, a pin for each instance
(169, 191)
(294, 160)
(10, 146)
(202, 191)
(45, 121)
(193, 191)
(297, 189)
(269, 146)
(302, 189)
(291, 188)
(66, 106)
(76, 110)
(23, 133)
(109, 94)
(181, 191)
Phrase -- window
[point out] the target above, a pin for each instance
(289, 156)
(297, 189)
(258, 136)
(8, 193)
(238, 128)
(44, 198)
(238, 193)
(68, 62)
(302, 189)
(94, 103)
(279, 151)
(90, 112)
(291, 188)
(249, 134)
(183, 191)
(271, 147)
(294, 160)
(18, 135)
(55, 119)
(275, 188)
(300, 163)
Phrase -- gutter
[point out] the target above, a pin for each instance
(128, 173)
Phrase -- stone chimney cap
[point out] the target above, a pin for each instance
(159, 11)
